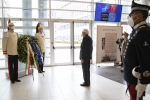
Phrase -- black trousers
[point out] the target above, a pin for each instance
(13, 67)
(41, 66)
(86, 71)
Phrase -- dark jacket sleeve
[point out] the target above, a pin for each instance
(142, 44)
(84, 48)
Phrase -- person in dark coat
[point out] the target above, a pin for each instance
(137, 53)
(86, 56)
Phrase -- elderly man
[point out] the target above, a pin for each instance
(86, 56)
(9, 45)
(137, 52)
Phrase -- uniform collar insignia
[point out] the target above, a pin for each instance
(145, 43)
(139, 24)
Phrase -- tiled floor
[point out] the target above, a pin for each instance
(61, 83)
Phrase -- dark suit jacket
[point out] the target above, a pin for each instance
(86, 48)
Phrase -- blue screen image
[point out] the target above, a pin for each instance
(108, 12)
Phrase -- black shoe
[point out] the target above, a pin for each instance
(12, 82)
(18, 80)
(85, 84)
(121, 71)
(43, 71)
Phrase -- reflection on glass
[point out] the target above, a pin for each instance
(71, 15)
(78, 28)
(61, 34)
(62, 55)
(76, 55)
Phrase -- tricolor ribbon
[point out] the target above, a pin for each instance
(30, 53)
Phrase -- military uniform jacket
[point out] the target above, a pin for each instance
(86, 48)
(123, 46)
(41, 41)
(9, 43)
(138, 54)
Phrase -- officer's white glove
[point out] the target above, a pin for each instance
(140, 88)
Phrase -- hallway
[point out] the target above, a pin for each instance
(61, 83)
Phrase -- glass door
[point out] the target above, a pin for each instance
(62, 47)
(78, 28)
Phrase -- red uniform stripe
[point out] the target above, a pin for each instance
(9, 69)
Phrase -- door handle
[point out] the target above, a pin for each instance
(71, 47)
(74, 47)
(53, 47)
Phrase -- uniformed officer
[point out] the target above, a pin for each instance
(9, 46)
(41, 40)
(123, 47)
(138, 51)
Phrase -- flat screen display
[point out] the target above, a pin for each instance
(108, 12)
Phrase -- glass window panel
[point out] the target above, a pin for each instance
(107, 1)
(0, 3)
(2, 62)
(29, 23)
(47, 61)
(126, 2)
(0, 12)
(124, 17)
(126, 9)
(0, 23)
(20, 13)
(27, 3)
(76, 55)
(127, 29)
(71, 15)
(71, 5)
(47, 52)
(2, 56)
(78, 27)
(47, 43)
(61, 34)
(62, 55)
(1, 34)
(11, 3)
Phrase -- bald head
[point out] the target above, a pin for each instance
(85, 32)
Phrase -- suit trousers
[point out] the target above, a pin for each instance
(41, 66)
(86, 71)
(13, 67)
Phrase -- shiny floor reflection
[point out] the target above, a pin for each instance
(61, 83)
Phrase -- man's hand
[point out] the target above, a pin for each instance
(140, 89)
(82, 61)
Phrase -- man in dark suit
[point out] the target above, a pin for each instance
(86, 56)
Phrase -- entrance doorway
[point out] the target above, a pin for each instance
(66, 40)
